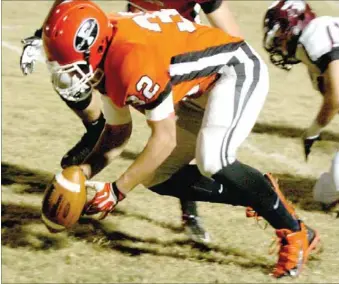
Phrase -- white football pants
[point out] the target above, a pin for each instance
(232, 109)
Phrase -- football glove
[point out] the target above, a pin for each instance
(105, 200)
(32, 48)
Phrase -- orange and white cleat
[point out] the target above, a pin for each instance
(294, 250)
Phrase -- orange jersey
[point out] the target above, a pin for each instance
(154, 54)
(187, 8)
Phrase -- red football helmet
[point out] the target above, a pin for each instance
(75, 37)
(283, 24)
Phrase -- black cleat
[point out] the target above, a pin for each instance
(194, 229)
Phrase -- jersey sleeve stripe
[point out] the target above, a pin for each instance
(177, 79)
(208, 63)
(196, 55)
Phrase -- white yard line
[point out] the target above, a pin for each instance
(17, 49)
(11, 47)
(10, 27)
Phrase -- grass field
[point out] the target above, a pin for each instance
(143, 242)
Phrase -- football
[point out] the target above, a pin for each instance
(64, 199)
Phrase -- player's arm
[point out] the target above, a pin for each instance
(116, 133)
(329, 107)
(160, 145)
(220, 16)
(152, 93)
(330, 104)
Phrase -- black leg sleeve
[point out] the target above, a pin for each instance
(258, 193)
(189, 184)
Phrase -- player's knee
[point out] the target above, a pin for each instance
(209, 149)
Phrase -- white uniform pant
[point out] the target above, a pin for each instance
(214, 135)
(232, 109)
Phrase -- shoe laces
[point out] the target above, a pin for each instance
(260, 221)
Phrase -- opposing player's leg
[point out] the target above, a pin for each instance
(228, 120)
(88, 109)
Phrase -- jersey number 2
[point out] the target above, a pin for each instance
(165, 16)
(148, 88)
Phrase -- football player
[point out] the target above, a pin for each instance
(87, 104)
(131, 60)
(294, 34)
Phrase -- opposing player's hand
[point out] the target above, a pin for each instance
(32, 47)
(105, 200)
(308, 143)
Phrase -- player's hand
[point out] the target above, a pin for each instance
(32, 47)
(308, 143)
(105, 200)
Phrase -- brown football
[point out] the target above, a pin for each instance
(64, 199)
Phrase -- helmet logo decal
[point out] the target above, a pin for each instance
(86, 35)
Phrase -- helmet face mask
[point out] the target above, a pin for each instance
(283, 24)
(276, 43)
(71, 81)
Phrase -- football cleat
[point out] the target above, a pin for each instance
(194, 229)
(294, 250)
(251, 213)
(84, 147)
